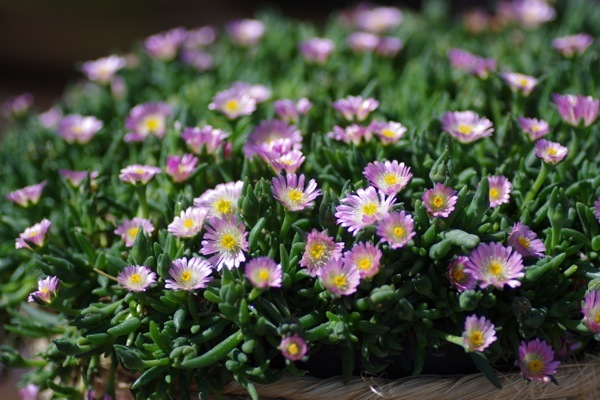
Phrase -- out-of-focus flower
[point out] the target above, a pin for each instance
(47, 288)
(222, 201)
(499, 190)
(233, 103)
(271, 134)
(466, 126)
(225, 238)
(136, 278)
(207, 138)
(189, 275)
(258, 92)
(577, 110)
(263, 272)
(78, 128)
(164, 45)
(536, 360)
(289, 111)
(440, 200)
(200, 60)
(479, 333)
(188, 223)
(471, 63)
(459, 276)
(535, 128)
(339, 278)
(200, 37)
(388, 132)
(351, 134)
(75, 178)
(389, 46)
(362, 42)
(355, 107)
(180, 168)
(550, 152)
(525, 241)
(532, 13)
(245, 32)
(289, 161)
(316, 50)
(138, 174)
(365, 257)
(27, 196)
(597, 208)
(103, 69)
(396, 229)
(378, 19)
(292, 193)
(130, 228)
(364, 208)
(390, 176)
(319, 250)
(591, 311)
(51, 118)
(293, 347)
(18, 105)
(147, 119)
(568, 46)
(35, 234)
(495, 265)
(519, 82)
(29, 392)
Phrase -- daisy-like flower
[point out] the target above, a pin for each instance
(226, 239)
(136, 278)
(189, 275)
(499, 190)
(180, 168)
(319, 250)
(363, 42)
(270, 134)
(138, 174)
(147, 119)
(535, 128)
(35, 234)
(200, 60)
(27, 196)
(387, 132)
(292, 194)
(245, 32)
(351, 134)
(364, 208)
(75, 178)
(51, 118)
(471, 63)
(293, 347)
(233, 103)
(495, 265)
(536, 360)
(103, 69)
(396, 229)
(568, 46)
(591, 310)
(316, 50)
(355, 107)
(263, 272)
(289, 162)
(597, 208)
(47, 288)
(258, 92)
(479, 333)
(200, 37)
(222, 201)
(130, 228)
(18, 105)
(188, 223)
(440, 200)
(550, 152)
(206, 138)
(573, 109)
(364, 257)
(378, 19)
(78, 128)
(459, 276)
(389, 46)
(288, 110)
(339, 278)
(390, 176)
(519, 82)
(466, 126)
(533, 13)
(164, 45)
(525, 241)
(29, 392)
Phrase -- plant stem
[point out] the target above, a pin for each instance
(141, 192)
(537, 185)
(289, 219)
(104, 274)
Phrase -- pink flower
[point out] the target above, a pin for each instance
(378, 19)
(289, 111)
(27, 196)
(51, 118)
(339, 278)
(222, 201)
(597, 208)
(35, 234)
(103, 69)
(147, 119)
(138, 174)
(79, 129)
(591, 311)
(47, 288)
(319, 250)
(259, 93)
(200, 37)
(440, 200)
(355, 107)
(365, 258)
(263, 272)
(364, 208)
(519, 82)
(200, 60)
(130, 228)
(525, 241)
(466, 126)
(387, 132)
(292, 194)
(363, 42)
(29, 392)
(272, 135)
(535, 128)
(206, 138)
(18, 105)
(459, 276)
(233, 103)
(189, 275)
(550, 152)
(316, 50)
(293, 347)
(479, 333)
(351, 134)
(189, 223)
(289, 161)
(245, 32)
(573, 109)
(75, 178)
(536, 360)
(136, 278)
(499, 190)
(180, 168)
(396, 229)
(533, 13)
(390, 177)
(225, 238)
(389, 46)
(471, 63)
(568, 46)
(495, 265)
(164, 45)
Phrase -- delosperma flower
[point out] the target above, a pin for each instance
(198, 59)
(293, 194)
(75, 178)
(233, 103)
(365, 257)
(492, 264)
(363, 42)
(103, 69)
(339, 278)
(165, 45)
(136, 278)
(577, 110)
(18, 105)
(47, 288)
(499, 192)
(288, 110)
(189, 274)
(29, 392)
(246, 32)
(525, 241)
(532, 13)
(138, 174)
(459, 276)
(362, 209)
(293, 347)
(471, 63)
(378, 19)
(225, 239)
(519, 82)
(206, 139)
(269, 134)
(440, 200)
(147, 119)
(568, 46)
(319, 250)
(180, 168)
(466, 126)
(597, 208)
(591, 310)
(387, 132)
(316, 50)
(396, 229)
(389, 46)
(27, 196)
(256, 91)
(351, 134)
(479, 333)
(535, 128)
(222, 201)
(130, 228)
(51, 118)
(78, 128)
(290, 162)
(550, 152)
(263, 272)
(188, 223)
(355, 107)
(536, 360)
(35, 234)
(390, 177)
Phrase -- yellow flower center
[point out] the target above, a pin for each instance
(188, 223)
(364, 263)
(45, 290)
(388, 133)
(317, 251)
(340, 281)
(139, 171)
(232, 105)
(369, 209)
(132, 232)
(228, 241)
(152, 124)
(476, 338)
(536, 128)
(523, 81)
(458, 275)
(223, 206)
(186, 276)
(437, 201)
(263, 275)
(535, 365)
(135, 278)
(398, 231)
(293, 349)
(390, 179)
(495, 268)
(597, 317)
(78, 129)
(494, 194)
(552, 151)
(295, 195)
(465, 129)
(523, 241)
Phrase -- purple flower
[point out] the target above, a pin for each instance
(27, 196)
(440, 200)
(533, 13)
(319, 250)
(292, 194)
(138, 174)
(130, 228)
(390, 176)
(536, 360)
(351, 134)
(47, 288)
(180, 168)
(597, 208)
(259, 93)
(499, 190)
(339, 278)
(471, 63)
(269, 135)
(535, 128)
(479, 333)
(573, 109)
(147, 119)
(164, 45)
(118, 87)
(103, 69)
(51, 118)
(200, 37)
(389, 46)
(519, 82)
(35, 234)
(200, 60)
(289, 111)
(18, 105)
(363, 42)
(495, 265)
(396, 229)
(233, 103)
(78, 128)
(387, 132)
(378, 19)
(189, 223)
(316, 50)
(568, 46)
(206, 138)
(365, 258)
(189, 275)
(293, 347)
(245, 32)
(29, 392)
(289, 162)
(459, 276)
(355, 107)
(466, 126)
(136, 278)
(525, 241)
(550, 152)
(226, 239)
(222, 201)
(364, 208)
(75, 178)
(263, 272)
(591, 311)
